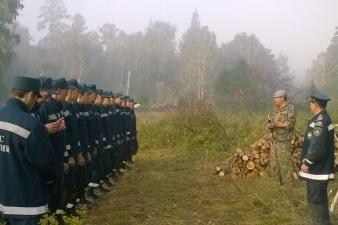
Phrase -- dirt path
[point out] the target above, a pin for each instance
(172, 188)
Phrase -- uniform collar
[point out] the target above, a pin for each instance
(17, 102)
(315, 117)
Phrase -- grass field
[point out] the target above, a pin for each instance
(173, 181)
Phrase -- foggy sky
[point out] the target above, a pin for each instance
(300, 29)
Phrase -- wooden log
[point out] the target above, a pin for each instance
(236, 170)
(250, 165)
(245, 158)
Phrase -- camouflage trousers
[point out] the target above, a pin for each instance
(281, 169)
(281, 166)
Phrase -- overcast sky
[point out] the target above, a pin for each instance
(301, 29)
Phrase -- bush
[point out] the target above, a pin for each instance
(194, 128)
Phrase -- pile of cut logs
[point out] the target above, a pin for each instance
(253, 161)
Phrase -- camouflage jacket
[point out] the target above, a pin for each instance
(286, 114)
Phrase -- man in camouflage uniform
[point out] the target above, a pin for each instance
(281, 123)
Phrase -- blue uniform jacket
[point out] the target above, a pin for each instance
(27, 162)
(50, 112)
(318, 149)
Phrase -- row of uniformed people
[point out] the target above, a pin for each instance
(92, 135)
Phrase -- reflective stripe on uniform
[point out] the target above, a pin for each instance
(330, 127)
(104, 115)
(31, 211)
(69, 205)
(308, 161)
(15, 129)
(312, 125)
(316, 176)
(68, 147)
(59, 212)
(93, 185)
(52, 117)
(66, 113)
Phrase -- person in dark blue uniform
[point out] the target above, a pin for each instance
(27, 159)
(51, 112)
(84, 156)
(134, 142)
(69, 193)
(318, 159)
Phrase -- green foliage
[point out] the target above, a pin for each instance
(235, 86)
(51, 220)
(198, 53)
(200, 128)
(324, 71)
(249, 73)
(8, 38)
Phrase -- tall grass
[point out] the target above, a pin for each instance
(197, 128)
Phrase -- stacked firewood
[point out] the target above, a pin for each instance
(254, 160)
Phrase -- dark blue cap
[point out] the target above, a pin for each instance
(92, 87)
(319, 96)
(83, 88)
(99, 92)
(105, 94)
(73, 84)
(46, 83)
(60, 84)
(88, 88)
(26, 84)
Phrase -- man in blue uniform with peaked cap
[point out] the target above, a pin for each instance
(318, 159)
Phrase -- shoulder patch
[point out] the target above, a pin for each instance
(317, 131)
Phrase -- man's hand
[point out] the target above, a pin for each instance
(52, 128)
(71, 162)
(65, 167)
(81, 160)
(304, 168)
(61, 123)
